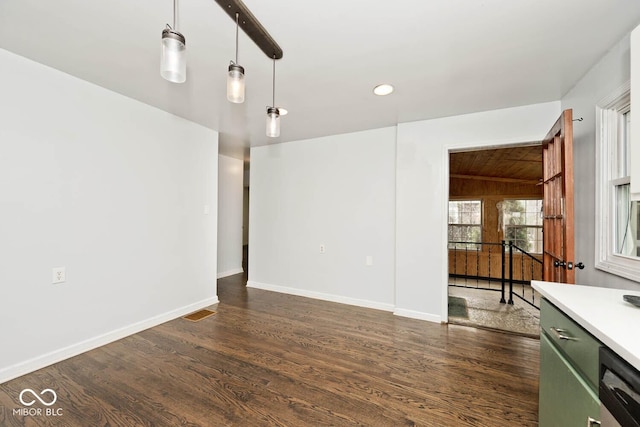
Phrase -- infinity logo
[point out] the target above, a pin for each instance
(46, 390)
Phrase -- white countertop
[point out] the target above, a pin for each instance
(602, 312)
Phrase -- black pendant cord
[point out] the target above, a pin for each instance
(273, 99)
(237, 27)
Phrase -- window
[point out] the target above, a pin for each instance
(627, 223)
(465, 224)
(626, 212)
(618, 225)
(522, 224)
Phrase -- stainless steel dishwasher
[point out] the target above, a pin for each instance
(619, 391)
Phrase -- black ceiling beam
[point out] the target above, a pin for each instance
(252, 27)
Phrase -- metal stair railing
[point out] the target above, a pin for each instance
(475, 261)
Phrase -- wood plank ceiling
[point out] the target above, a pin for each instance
(513, 164)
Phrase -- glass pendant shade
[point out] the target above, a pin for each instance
(273, 122)
(173, 62)
(235, 84)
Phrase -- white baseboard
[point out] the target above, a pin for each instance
(56, 356)
(417, 315)
(230, 272)
(321, 296)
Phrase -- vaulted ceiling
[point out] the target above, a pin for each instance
(445, 57)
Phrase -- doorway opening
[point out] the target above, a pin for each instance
(495, 237)
(245, 220)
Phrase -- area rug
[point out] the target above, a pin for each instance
(458, 307)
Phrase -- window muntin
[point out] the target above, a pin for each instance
(465, 224)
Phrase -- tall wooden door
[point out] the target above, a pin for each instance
(557, 225)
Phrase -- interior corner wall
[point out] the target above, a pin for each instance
(422, 194)
(610, 73)
(113, 190)
(336, 191)
(230, 212)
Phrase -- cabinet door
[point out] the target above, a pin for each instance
(566, 400)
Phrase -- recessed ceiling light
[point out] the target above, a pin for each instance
(383, 89)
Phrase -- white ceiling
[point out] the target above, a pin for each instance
(445, 57)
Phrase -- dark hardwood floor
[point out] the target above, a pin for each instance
(272, 359)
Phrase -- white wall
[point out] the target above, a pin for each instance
(338, 191)
(110, 188)
(422, 194)
(230, 210)
(611, 72)
(370, 193)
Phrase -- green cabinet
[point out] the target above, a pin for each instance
(568, 371)
(566, 400)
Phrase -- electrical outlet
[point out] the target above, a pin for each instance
(59, 275)
(322, 249)
(368, 260)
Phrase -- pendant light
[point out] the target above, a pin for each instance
(235, 78)
(173, 61)
(273, 114)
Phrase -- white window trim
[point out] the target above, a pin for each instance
(606, 132)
